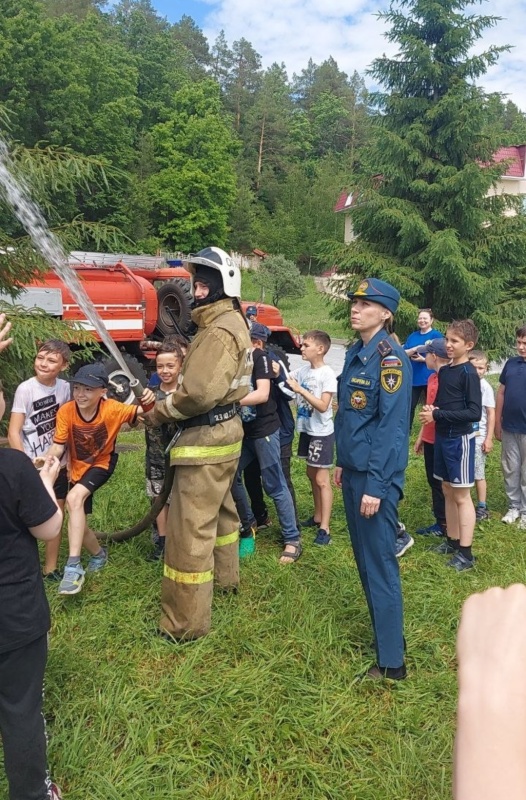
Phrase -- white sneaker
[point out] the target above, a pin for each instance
(522, 523)
(512, 515)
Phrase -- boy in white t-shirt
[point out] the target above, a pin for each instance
(484, 439)
(33, 420)
(315, 386)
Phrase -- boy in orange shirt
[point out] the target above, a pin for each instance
(88, 426)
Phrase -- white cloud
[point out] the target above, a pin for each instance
(292, 31)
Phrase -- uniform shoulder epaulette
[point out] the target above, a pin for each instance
(384, 348)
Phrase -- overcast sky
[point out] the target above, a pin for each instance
(292, 31)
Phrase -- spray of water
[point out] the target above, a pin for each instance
(18, 196)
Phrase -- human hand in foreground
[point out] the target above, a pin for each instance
(5, 327)
(490, 744)
(49, 467)
(337, 477)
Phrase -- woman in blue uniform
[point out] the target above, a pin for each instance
(372, 442)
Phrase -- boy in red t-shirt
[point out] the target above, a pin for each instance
(88, 426)
(436, 357)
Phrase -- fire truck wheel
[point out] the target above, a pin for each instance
(175, 299)
(279, 353)
(118, 377)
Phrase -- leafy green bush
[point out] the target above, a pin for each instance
(281, 278)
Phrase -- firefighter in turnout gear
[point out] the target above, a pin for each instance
(203, 526)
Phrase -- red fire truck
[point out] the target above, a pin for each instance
(141, 299)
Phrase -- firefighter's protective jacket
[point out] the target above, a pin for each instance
(216, 371)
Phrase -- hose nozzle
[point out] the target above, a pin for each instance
(138, 390)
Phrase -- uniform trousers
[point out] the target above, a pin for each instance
(21, 721)
(373, 542)
(202, 547)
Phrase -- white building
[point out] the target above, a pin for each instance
(512, 182)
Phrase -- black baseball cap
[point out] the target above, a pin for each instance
(436, 346)
(92, 375)
(259, 331)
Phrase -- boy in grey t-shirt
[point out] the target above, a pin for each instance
(315, 385)
(33, 420)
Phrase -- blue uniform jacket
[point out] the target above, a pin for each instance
(372, 422)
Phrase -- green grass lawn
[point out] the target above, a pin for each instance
(299, 312)
(266, 706)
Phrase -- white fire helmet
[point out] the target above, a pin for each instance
(216, 258)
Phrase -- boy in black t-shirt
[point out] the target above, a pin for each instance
(457, 407)
(261, 426)
(28, 511)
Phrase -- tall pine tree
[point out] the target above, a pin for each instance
(425, 222)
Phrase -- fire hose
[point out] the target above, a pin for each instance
(146, 521)
(157, 505)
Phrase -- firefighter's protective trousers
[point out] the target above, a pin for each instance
(201, 549)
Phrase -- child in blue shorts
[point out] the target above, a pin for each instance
(458, 405)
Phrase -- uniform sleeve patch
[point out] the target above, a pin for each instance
(390, 361)
(391, 379)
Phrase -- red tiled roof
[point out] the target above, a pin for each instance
(345, 201)
(515, 155)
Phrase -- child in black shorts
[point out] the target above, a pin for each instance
(88, 426)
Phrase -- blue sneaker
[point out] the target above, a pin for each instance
(98, 562)
(431, 530)
(403, 543)
(73, 579)
(323, 537)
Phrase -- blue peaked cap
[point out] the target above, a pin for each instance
(379, 292)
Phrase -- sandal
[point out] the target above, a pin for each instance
(291, 555)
